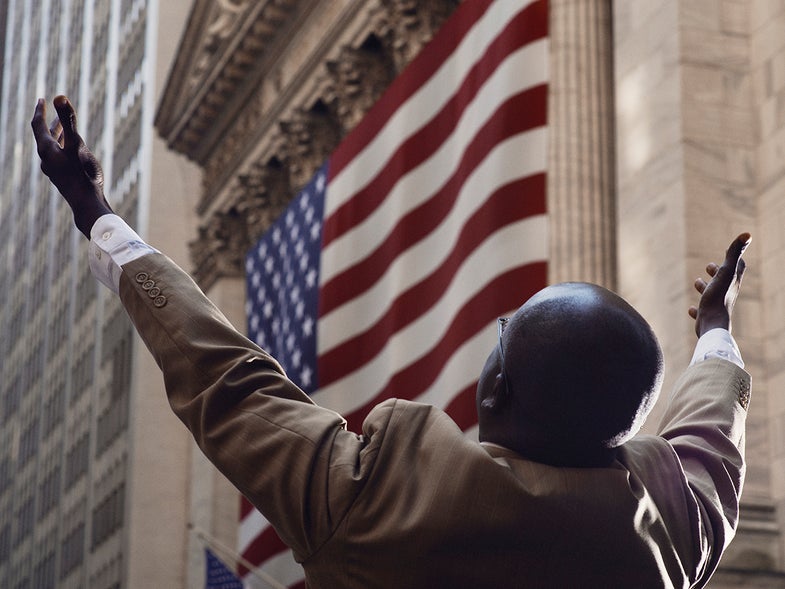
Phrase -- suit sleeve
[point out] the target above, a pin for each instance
(283, 452)
(704, 423)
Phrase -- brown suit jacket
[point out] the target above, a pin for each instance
(410, 502)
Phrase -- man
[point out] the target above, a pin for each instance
(559, 493)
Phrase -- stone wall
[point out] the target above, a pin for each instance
(697, 129)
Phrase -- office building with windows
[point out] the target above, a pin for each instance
(77, 492)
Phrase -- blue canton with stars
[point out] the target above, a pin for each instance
(218, 576)
(282, 274)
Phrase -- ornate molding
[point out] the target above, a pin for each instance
(222, 45)
(308, 139)
(358, 77)
(410, 24)
(258, 198)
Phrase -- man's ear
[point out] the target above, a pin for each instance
(495, 400)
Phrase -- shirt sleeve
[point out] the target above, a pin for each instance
(717, 343)
(112, 244)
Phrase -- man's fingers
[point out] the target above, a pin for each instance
(56, 127)
(700, 285)
(711, 269)
(693, 311)
(43, 138)
(56, 131)
(727, 273)
(67, 116)
(737, 248)
(741, 266)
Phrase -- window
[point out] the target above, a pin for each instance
(108, 515)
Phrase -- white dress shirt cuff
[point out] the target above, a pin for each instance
(717, 343)
(112, 244)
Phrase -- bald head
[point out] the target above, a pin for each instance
(582, 371)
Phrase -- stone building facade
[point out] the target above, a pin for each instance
(667, 138)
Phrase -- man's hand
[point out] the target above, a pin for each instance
(718, 296)
(70, 166)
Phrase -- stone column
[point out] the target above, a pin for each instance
(581, 179)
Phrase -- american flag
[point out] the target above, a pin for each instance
(385, 276)
(217, 575)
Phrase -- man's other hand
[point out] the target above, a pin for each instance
(718, 296)
(69, 164)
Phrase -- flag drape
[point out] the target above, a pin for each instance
(385, 275)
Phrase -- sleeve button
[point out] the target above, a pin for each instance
(154, 292)
(159, 301)
(142, 277)
(148, 284)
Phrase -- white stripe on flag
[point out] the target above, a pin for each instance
(520, 156)
(426, 102)
(512, 77)
(250, 527)
(412, 342)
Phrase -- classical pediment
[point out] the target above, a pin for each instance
(222, 48)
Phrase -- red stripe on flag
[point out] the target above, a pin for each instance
(409, 81)
(511, 203)
(245, 507)
(506, 291)
(266, 545)
(462, 409)
(417, 148)
(520, 113)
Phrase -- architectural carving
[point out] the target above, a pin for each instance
(261, 196)
(238, 138)
(359, 76)
(411, 24)
(222, 46)
(221, 246)
(258, 198)
(308, 139)
(223, 19)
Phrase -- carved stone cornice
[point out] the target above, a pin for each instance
(258, 198)
(308, 139)
(410, 24)
(222, 44)
(358, 77)
(220, 247)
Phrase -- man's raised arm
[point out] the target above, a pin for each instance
(291, 458)
(705, 418)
